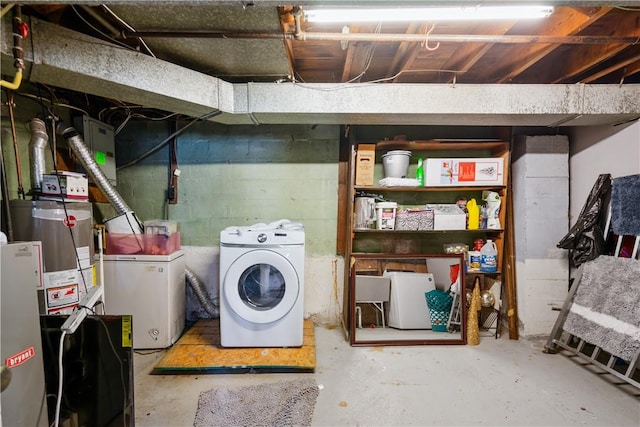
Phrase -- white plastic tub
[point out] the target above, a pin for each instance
(395, 164)
(386, 215)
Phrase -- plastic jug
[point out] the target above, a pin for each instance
(489, 257)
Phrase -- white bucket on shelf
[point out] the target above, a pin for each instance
(396, 163)
(386, 215)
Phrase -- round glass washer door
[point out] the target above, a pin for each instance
(261, 286)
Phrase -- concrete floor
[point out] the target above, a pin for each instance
(499, 382)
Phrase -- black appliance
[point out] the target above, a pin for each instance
(98, 370)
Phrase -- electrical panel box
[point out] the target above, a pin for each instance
(100, 138)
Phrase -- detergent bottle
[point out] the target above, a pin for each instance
(420, 173)
(473, 212)
(489, 257)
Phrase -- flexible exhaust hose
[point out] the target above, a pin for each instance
(201, 293)
(37, 145)
(80, 149)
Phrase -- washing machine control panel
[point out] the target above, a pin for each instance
(261, 236)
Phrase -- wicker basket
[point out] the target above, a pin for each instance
(439, 303)
(414, 219)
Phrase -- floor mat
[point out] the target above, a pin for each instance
(199, 351)
(285, 403)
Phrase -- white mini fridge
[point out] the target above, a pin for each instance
(407, 304)
(151, 288)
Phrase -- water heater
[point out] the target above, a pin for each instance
(65, 231)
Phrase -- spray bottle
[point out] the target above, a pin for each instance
(492, 203)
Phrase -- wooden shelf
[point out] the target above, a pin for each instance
(479, 230)
(429, 189)
(378, 247)
(444, 144)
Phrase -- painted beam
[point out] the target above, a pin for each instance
(60, 57)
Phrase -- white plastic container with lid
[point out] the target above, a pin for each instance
(386, 215)
(489, 257)
(395, 164)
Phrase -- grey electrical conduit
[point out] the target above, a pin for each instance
(80, 149)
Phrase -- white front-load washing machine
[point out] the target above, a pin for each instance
(262, 285)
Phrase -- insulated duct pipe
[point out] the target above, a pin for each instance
(37, 145)
(81, 150)
(201, 293)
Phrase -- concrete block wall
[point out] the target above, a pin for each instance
(540, 171)
(242, 175)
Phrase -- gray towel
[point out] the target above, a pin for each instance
(625, 198)
(606, 308)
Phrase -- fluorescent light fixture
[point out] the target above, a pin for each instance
(404, 14)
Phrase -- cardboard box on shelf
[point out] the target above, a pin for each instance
(464, 172)
(448, 217)
(71, 186)
(365, 161)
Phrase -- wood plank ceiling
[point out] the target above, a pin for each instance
(606, 50)
(261, 42)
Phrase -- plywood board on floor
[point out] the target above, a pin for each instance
(199, 351)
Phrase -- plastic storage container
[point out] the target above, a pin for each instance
(396, 163)
(386, 215)
(489, 257)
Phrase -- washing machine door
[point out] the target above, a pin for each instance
(261, 286)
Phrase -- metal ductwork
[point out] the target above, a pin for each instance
(201, 293)
(80, 149)
(37, 145)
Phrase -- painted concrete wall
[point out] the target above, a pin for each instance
(542, 270)
(540, 173)
(597, 150)
(242, 175)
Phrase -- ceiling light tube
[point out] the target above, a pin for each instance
(398, 14)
